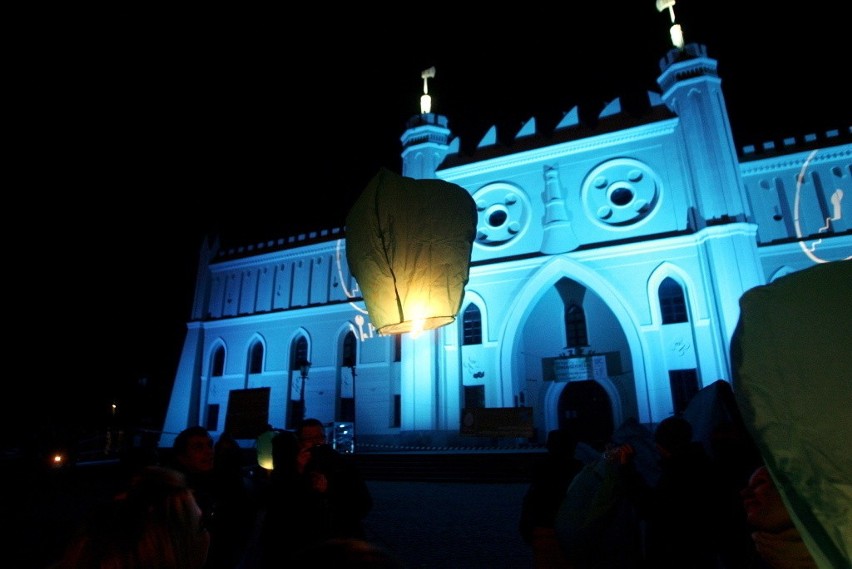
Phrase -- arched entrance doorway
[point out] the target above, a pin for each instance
(537, 329)
(585, 409)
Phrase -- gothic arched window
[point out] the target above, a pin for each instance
(256, 358)
(299, 354)
(472, 323)
(296, 401)
(672, 302)
(576, 333)
(218, 367)
(350, 351)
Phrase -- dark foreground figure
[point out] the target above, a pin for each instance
(316, 494)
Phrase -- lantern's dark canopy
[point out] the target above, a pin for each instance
(792, 370)
(408, 245)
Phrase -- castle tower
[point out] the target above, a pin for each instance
(714, 187)
(692, 89)
(425, 142)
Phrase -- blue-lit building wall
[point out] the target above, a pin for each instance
(599, 218)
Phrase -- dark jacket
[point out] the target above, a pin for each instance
(680, 514)
(297, 516)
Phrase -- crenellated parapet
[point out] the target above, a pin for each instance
(616, 115)
(792, 144)
(683, 64)
(796, 193)
(278, 244)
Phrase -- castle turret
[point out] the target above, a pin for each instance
(692, 89)
(425, 142)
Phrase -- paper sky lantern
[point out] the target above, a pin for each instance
(792, 370)
(264, 449)
(408, 245)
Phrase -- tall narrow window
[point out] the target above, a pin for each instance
(684, 386)
(347, 393)
(349, 350)
(212, 417)
(575, 326)
(218, 367)
(397, 347)
(396, 417)
(672, 302)
(296, 399)
(256, 358)
(299, 355)
(472, 322)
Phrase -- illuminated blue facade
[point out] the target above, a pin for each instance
(605, 280)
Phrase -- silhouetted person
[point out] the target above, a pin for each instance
(543, 497)
(221, 493)
(227, 455)
(317, 495)
(156, 524)
(679, 512)
(597, 525)
(285, 446)
(277, 500)
(735, 457)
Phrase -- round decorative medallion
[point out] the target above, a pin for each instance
(620, 192)
(504, 214)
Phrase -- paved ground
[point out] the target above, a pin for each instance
(436, 525)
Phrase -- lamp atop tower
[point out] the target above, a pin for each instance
(675, 31)
(426, 99)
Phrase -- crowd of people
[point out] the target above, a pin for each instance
(201, 508)
(693, 509)
(683, 507)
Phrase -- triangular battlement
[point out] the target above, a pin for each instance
(574, 124)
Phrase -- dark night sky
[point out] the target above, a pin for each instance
(137, 134)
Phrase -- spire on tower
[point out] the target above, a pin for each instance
(425, 99)
(675, 31)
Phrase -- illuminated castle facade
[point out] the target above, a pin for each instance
(604, 284)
